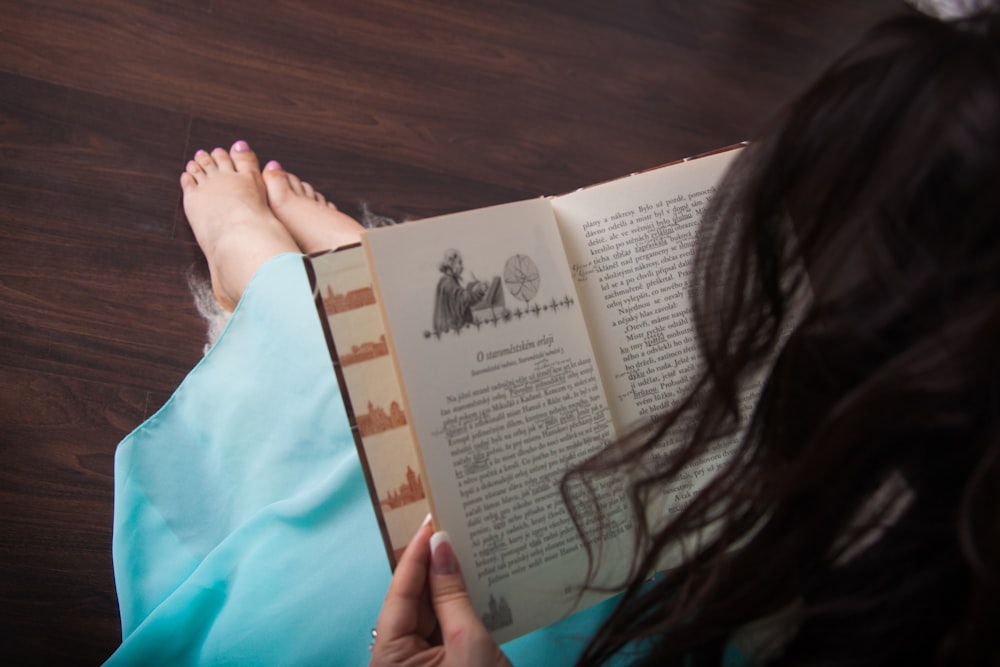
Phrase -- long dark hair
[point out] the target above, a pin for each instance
(858, 519)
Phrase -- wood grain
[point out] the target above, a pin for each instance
(410, 108)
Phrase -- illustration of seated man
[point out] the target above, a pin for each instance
(454, 301)
(490, 307)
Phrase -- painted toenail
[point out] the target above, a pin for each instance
(272, 165)
(241, 147)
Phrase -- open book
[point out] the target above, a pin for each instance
(483, 353)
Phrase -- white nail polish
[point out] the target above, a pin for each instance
(437, 538)
(443, 563)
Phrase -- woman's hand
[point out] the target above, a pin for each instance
(427, 617)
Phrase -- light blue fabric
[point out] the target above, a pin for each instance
(243, 531)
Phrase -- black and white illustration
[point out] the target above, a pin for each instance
(462, 302)
(520, 275)
(498, 615)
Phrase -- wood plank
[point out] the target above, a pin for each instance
(100, 161)
(88, 199)
(57, 438)
(498, 92)
(109, 309)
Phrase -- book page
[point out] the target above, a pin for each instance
(631, 243)
(504, 395)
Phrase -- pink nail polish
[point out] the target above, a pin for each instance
(272, 165)
(241, 147)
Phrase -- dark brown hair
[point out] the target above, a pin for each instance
(858, 519)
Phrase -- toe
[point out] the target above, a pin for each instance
(194, 171)
(187, 180)
(205, 161)
(276, 183)
(244, 158)
(295, 183)
(222, 158)
(194, 168)
(308, 190)
(274, 173)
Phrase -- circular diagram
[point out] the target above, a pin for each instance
(521, 277)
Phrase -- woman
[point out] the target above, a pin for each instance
(858, 521)
(858, 259)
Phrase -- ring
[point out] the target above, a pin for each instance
(371, 646)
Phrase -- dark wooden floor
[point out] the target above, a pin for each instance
(414, 108)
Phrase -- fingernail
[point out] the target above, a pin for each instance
(272, 165)
(427, 520)
(241, 147)
(442, 555)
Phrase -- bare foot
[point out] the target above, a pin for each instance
(313, 222)
(226, 204)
